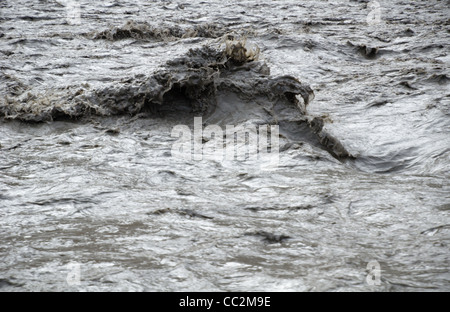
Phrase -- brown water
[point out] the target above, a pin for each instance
(95, 201)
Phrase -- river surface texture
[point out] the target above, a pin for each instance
(108, 183)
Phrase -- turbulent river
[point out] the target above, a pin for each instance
(94, 195)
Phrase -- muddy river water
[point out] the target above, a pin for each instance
(94, 197)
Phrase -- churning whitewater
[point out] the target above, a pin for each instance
(110, 112)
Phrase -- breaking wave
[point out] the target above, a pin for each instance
(204, 79)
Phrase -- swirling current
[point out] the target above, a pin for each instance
(352, 97)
